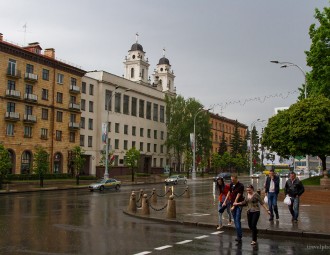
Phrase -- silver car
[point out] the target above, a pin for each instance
(176, 179)
(105, 184)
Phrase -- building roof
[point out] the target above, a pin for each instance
(136, 46)
(164, 61)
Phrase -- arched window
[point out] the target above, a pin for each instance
(142, 74)
(169, 85)
(132, 72)
(26, 162)
(12, 157)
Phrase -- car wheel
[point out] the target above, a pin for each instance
(101, 188)
(117, 187)
(176, 182)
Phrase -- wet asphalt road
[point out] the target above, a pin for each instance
(83, 222)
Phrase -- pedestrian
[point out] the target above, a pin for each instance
(235, 194)
(294, 188)
(272, 188)
(252, 201)
(223, 189)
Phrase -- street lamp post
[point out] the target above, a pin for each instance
(251, 147)
(193, 174)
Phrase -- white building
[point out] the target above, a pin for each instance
(136, 112)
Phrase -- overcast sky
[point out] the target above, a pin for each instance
(219, 50)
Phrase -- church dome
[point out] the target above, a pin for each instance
(164, 61)
(136, 46)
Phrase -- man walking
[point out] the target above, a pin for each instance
(235, 194)
(272, 188)
(294, 188)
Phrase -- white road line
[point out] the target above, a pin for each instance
(216, 233)
(163, 247)
(185, 241)
(201, 237)
(143, 253)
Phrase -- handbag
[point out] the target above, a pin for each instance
(222, 209)
(287, 200)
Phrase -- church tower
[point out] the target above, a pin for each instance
(136, 65)
(163, 76)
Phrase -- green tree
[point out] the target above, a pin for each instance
(236, 141)
(132, 158)
(41, 163)
(215, 162)
(226, 161)
(5, 163)
(78, 161)
(302, 129)
(318, 57)
(238, 162)
(223, 145)
(255, 146)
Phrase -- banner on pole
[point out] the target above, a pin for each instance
(104, 132)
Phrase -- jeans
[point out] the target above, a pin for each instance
(253, 218)
(237, 220)
(228, 211)
(294, 207)
(272, 204)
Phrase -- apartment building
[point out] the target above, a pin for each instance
(40, 105)
(220, 126)
(133, 109)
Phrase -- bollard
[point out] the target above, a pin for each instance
(154, 197)
(132, 203)
(169, 192)
(141, 196)
(145, 205)
(171, 208)
(186, 192)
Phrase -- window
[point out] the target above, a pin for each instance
(90, 141)
(148, 147)
(162, 135)
(11, 85)
(58, 135)
(155, 147)
(72, 137)
(91, 106)
(83, 87)
(162, 114)
(149, 133)
(148, 114)
(116, 144)
(155, 118)
(28, 89)
(45, 74)
(10, 107)
(126, 105)
(82, 140)
(161, 162)
(29, 68)
(73, 81)
(142, 74)
(10, 129)
(132, 72)
(125, 144)
(141, 108)
(117, 102)
(116, 127)
(12, 67)
(27, 131)
(73, 117)
(59, 116)
(44, 94)
(126, 129)
(90, 124)
(83, 104)
(91, 89)
(162, 149)
(154, 162)
(59, 97)
(73, 99)
(60, 78)
(44, 133)
(82, 122)
(28, 110)
(109, 126)
(133, 144)
(107, 100)
(155, 134)
(134, 131)
(134, 106)
(141, 132)
(141, 146)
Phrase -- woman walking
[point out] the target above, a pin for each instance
(223, 189)
(252, 200)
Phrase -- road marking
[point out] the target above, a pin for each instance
(201, 237)
(216, 233)
(185, 241)
(143, 253)
(163, 247)
(198, 214)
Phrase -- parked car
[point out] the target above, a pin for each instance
(300, 172)
(257, 175)
(313, 173)
(105, 184)
(176, 179)
(225, 176)
(285, 173)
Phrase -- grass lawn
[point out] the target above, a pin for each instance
(312, 180)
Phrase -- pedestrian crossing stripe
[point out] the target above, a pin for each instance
(201, 237)
(185, 241)
(163, 247)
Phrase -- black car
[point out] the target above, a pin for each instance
(225, 176)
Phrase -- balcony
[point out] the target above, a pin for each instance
(14, 73)
(74, 89)
(30, 118)
(13, 116)
(13, 93)
(30, 97)
(74, 107)
(31, 77)
(74, 125)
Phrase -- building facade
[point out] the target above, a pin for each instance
(40, 105)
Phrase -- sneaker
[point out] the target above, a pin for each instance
(219, 227)
(253, 243)
(277, 217)
(238, 240)
(229, 223)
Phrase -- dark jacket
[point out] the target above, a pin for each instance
(294, 188)
(235, 190)
(276, 183)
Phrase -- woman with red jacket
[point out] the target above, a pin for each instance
(223, 189)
